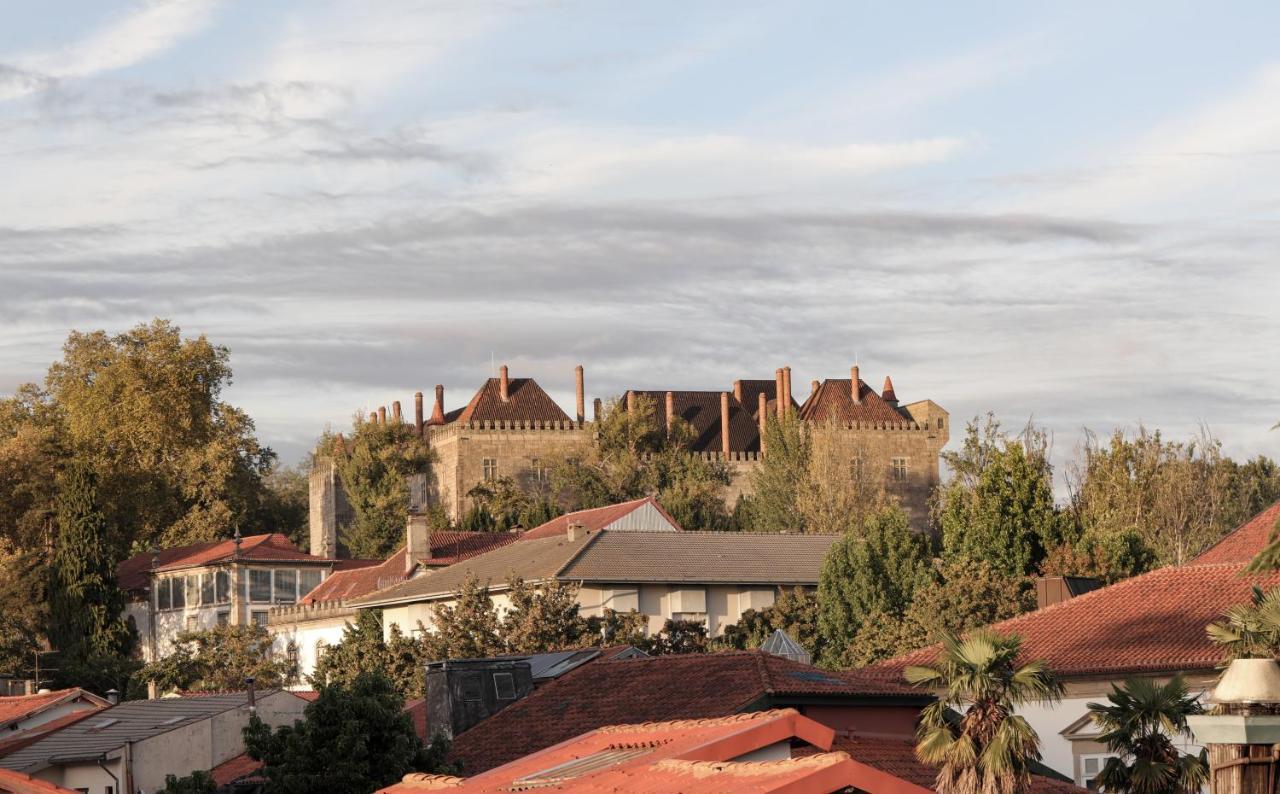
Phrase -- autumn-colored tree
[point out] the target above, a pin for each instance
(467, 628)
(678, 636)
(24, 611)
(795, 612)
(221, 658)
(375, 465)
(776, 484)
(363, 649)
(507, 506)
(543, 618)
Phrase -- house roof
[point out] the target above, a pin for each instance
(752, 388)
(701, 409)
(525, 401)
(18, 783)
(598, 518)
(1243, 544)
(17, 708)
(657, 689)
(237, 768)
(133, 573)
(16, 741)
(682, 755)
(110, 728)
(702, 557)
(447, 548)
(834, 401)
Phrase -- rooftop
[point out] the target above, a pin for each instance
(608, 517)
(701, 409)
(834, 401)
(526, 401)
(18, 783)
(132, 574)
(15, 709)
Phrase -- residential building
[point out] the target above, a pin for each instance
(644, 515)
(18, 783)
(712, 577)
(202, 585)
(512, 428)
(1151, 625)
(132, 746)
(24, 718)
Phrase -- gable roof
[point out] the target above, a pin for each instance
(17, 708)
(701, 409)
(447, 548)
(701, 557)
(598, 518)
(1245, 542)
(657, 689)
(834, 401)
(133, 573)
(525, 401)
(110, 728)
(18, 783)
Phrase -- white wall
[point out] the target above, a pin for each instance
(306, 635)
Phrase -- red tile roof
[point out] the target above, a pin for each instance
(17, 708)
(132, 574)
(525, 401)
(1244, 543)
(753, 388)
(657, 689)
(17, 783)
(237, 768)
(684, 755)
(834, 401)
(447, 548)
(701, 409)
(595, 519)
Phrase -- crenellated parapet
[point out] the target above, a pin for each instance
(302, 613)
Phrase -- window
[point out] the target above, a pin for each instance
(504, 686)
(162, 595)
(224, 618)
(490, 468)
(178, 586)
(206, 589)
(286, 585)
(899, 469)
(259, 586)
(222, 587)
(193, 590)
(308, 580)
(939, 422)
(472, 686)
(259, 618)
(1090, 767)
(539, 470)
(321, 647)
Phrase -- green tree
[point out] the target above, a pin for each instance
(505, 506)
(635, 456)
(375, 465)
(285, 503)
(877, 569)
(353, 738)
(87, 625)
(363, 649)
(999, 505)
(198, 782)
(1139, 722)
(1109, 557)
(678, 636)
(795, 612)
(776, 484)
(619, 628)
(543, 618)
(989, 749)
(23, 608)
(221, 658)
(1252, 630)
(467, 628)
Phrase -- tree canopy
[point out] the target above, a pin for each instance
(221, 658)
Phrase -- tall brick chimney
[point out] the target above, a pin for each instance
(581, 393)
(777, 391)
(762, 416)
(504, 383)
(373, 417)
(724, 423)
(395, 413)
(437, 412)
(855, 385)
(382, 414)
(737, 390)
(597, 407)
(887, 394)
(671, 410)
(786, 391)
(631, 401)
(417, 412)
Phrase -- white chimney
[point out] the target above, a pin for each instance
(417, 542)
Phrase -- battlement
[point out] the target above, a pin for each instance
(452, 430)
(298, 613)
(732, 457)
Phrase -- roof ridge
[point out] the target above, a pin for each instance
(592, 537)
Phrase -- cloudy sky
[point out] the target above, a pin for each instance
(1062, 211)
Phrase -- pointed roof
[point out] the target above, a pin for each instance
(16, 708)
(610, 517)
(526, 401)
(886, 393)
(133, 573)
(834, 401)
(780, 643)
(1245, 542)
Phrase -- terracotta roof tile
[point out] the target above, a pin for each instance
(834, 401)
(132, 574)
(238, 768)
(1244, 543)
(525, 401)
(609, 692)
(20, 707)
(19, 783)
(595, 519)
(751, 391)
(701, 409)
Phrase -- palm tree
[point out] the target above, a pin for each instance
(989, 749)
(1139, 725)
(1251, 631)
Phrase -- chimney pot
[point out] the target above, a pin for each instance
(737, 390)
(113, 696)
(671, 409)
(437, 413)
(724, 423)
(855, 385)
(373, 417)
(382, 415)
(777, 391)
(581, 393)
(504, 383)
(762, 416)
(813, 387)
(631, 401)
(417, 412)
(786, 391)
(417, 541)
(395, 413)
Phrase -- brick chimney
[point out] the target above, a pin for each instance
(813, 387)
(777, 391)
(724, 423)
(373, 417)
(631, 401)
(597, 407)
(580, 385)
(575, 531)
(786, 391)
(737, 390)
(382, 415)
(417, 412)
(855, 385)
(887, 394)
(395, 413)
(504, 384)
(417, 541)
(437, 413)
(762, 416)
(671, 410)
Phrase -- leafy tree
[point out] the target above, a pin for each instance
(198, 782)
(87, 626)
(541, 619)
(619, 628)
(776, 484)
(375, 465)
(877, 569)
(838, 492)
(506, 506)
(634, 456)
(23, 608)
(989, 749)
(1252, 630)
(1108, 558)
(354, 738)
(999, 504)
(363, 649)
(285, 503)
(33, 449)
(794, 611)
(1138, 724)
(1268, 559)
(221, 658)
(468, 628)
(678, 636)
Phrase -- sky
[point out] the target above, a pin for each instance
(1058, 212)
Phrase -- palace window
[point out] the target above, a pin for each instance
(260, 585)
(207, 589)
(308, 580)
(539, 470)
(899, 466)
(222, 587)
(179, 592)
(193, 589)
(162, 594)
(490, 468)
